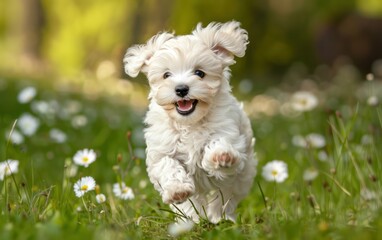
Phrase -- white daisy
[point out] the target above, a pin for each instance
(26, 94)
(312, 140)
(303, 101)
(310, 174)
(373, 101)
(41, 107)
(100, 198)
(16, 137)
(178, 228)
(57, 135)
(322, 156)
(315, 140)
(8, 167)
(275, 170)
(368, 194)
(84, 157)
(299, 141)
(79, 121)
(121, 191)
(84, 185)
(28, 124)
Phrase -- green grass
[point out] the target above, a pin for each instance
(38, 202)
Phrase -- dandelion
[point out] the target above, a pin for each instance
(84, 185)
(26, 94)
(8, 167)
(100, 198)
(275, 170)
(178, 228)
(310, 174)
(122, 191)
(28, 124)
(84, 157)
(303, 101)
(15, 137)
(57, 135)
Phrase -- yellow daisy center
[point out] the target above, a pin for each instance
(84, 187)
(274, 173)
(85, 159)
(125, 190)
(303, 102)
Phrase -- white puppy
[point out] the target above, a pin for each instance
(199, 141)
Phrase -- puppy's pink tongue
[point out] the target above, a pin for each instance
(184, 105)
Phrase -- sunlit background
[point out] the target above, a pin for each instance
(311, 83)
(288, 38)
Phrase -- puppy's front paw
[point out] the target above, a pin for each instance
(177, 193)
(224, 159)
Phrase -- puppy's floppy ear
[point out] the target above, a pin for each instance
(137, 57)
(225, 39)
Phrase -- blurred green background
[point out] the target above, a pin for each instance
(71, 37)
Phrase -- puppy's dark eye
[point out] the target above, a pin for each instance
(166, 75)
(200, 73)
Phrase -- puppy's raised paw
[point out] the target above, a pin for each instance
(224, 159)
(177, 194)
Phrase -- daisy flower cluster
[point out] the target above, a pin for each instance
(86, 157)
(28, 123)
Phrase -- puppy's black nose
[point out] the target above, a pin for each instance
(181, 90)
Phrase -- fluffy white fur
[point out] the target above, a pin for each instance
(201, 163)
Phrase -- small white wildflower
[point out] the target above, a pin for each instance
(41, 107)
(79, 121)
(373, 101)
(26, 94)
(121, 191)
(178, 228)
(84, 157)
(367, 194)
(303, 101)
(299, 141)
(16, 137)
(275, 170)
(322, 156)
(57, 135)
(28, 124)
(84, 185)
(310, 174)
(367, 139)
(369, 77)
(100, 198)
(315, 140)
(142, 183)
(312, 140)
(8, 167)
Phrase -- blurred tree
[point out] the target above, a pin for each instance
(77, 35)
(33, 20)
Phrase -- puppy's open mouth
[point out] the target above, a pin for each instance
(185, 107)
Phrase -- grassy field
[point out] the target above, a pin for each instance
(333, 189)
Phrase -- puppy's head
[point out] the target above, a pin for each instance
(186, 72)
